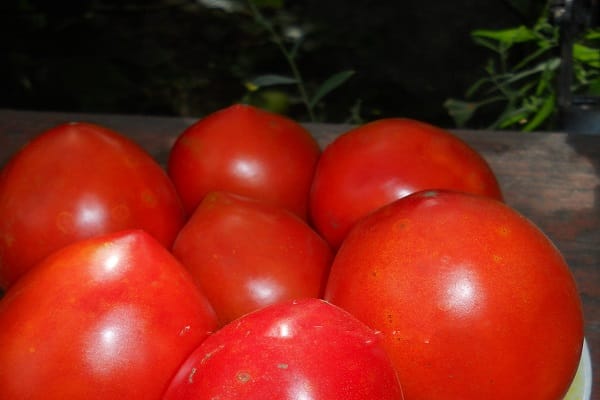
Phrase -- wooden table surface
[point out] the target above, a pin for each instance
(552, 178)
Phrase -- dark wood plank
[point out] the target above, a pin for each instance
(552, 178)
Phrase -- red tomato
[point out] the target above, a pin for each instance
(246, 254)
(379, 162)
(472, 299)
(248, 151)
(306, 349)
(111, 317)
(75, 181)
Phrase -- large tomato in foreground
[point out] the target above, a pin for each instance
(473, 300)
(246, 254)
(305, 349)
(381, 161)
(111, 317)
(76, 181)
(248, 151)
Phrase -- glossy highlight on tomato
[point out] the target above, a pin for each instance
(378, 162)
(300, 349)
(75, 181)
(248, 151)
(472, 299)
(111, 317)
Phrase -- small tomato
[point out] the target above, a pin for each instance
(381, 161)
(246, 254)
(247, 151)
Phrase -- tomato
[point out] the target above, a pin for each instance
(472, 299)
(248, 151)
(112, 317)
(246, 254)
(75, 181)
(381, 161)
(305, 349)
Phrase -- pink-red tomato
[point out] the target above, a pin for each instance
(305, 349)
(75, 181)
(381, 161)
(472, 299)
(248, 151)
(112, 317)
(246, 254)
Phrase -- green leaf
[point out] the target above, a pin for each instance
(491, 45)
(270, 80)
(329, 85)
(513, 117)
(460, 111)
(543, 113)
(593, 34)
(508, 36)
(587, 55)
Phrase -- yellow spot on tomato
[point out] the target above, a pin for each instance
(504, 231)
(401, 225)
(65, 222)
(149, 199)
(8, 239)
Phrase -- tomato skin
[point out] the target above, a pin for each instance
(104, 318)
(75, 181)
(304, 349)
(246, 254)
(248, 151)
(473, 300)
(381, 161)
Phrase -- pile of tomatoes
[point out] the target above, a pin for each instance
(257, 265)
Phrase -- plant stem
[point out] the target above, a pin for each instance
(261, 20)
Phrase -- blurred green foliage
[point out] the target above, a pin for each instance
(519, 88)
(358, 60)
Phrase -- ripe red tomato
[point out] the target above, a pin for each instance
(246, 254)
(379, 162)
(306, 349)
(75, 181)
(472, 299)
(248, 151)
(112, 317)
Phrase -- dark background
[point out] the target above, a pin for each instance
(184, 58)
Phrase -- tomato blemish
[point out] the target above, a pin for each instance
(243, 377)
(191, 375)
(430, 193)
(184, 330)
(211, 353)
(149, 199)
(65, 222)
